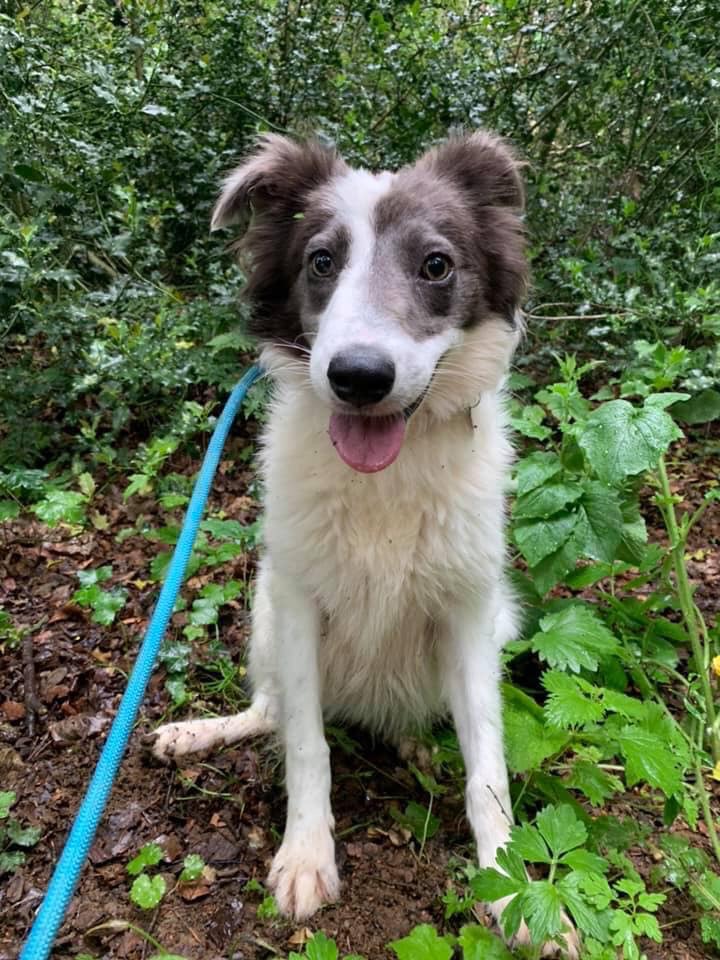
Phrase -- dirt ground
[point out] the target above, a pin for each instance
(228, 808)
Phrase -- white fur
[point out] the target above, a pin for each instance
(380, 597)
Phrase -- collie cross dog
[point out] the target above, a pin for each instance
(388, 309)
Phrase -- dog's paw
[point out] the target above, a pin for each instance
(566, 945)
(304, 875)
(173, 740)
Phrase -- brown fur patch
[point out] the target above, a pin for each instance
(279, 188)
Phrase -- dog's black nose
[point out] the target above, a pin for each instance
(361, 376)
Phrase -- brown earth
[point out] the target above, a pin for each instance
(229, 808)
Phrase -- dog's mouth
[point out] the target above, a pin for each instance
(370, 444)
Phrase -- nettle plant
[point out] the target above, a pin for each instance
(611, 659)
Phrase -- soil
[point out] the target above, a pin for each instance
(230, 807)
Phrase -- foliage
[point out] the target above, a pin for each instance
(147, 891)
(14, 837)
(120, 330)
(105, 604)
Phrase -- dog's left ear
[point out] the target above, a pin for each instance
(483, 165)
(487, 172)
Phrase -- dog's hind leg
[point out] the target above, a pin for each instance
(173, 740)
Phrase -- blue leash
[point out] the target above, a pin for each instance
(67, 871)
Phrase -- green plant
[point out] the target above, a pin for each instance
(14, 837)
(147, 891)
(105, 604)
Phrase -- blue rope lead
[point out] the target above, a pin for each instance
(65, 877)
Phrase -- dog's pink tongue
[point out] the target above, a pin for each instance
(367, 444)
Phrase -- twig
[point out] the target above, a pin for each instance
(32, 702)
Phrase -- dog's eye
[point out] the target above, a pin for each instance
(321, 263)
(436, 267)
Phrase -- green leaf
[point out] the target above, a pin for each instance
(149, 856)
(597, 785)
(574, 638)
(599, 526)
(649, 757)
(528, 844)
(478, 943)
(193, 866)
(546, 500)
(572, 701)
(22, 836)
(320, 947)
(535, 469)
(538, 539)
(561, 828)
(423, 943)
(587, 917)
(99, 575)
(709, 929)
(107, 604)
(61, 506)
(9, 509)
(528, 740)
(489, 885)
(7, 799)
(542, 908)
(621, 440)
(702, 408)
(11, 860)
(147, 892)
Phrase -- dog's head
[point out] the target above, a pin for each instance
(400, 291)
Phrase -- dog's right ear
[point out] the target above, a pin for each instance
(275, 178)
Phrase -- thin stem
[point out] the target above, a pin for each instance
(687, 604)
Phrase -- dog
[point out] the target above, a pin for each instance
(388, 307)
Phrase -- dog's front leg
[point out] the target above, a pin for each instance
(303, 874)
(477, 632)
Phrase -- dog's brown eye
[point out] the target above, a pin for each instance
(321, 263)
(436, 267)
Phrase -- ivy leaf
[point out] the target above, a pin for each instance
(561, 828)
(147, 892)
(621, 440)
(573, 638)
(423, 943)
(479, 944)
(149, 856)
